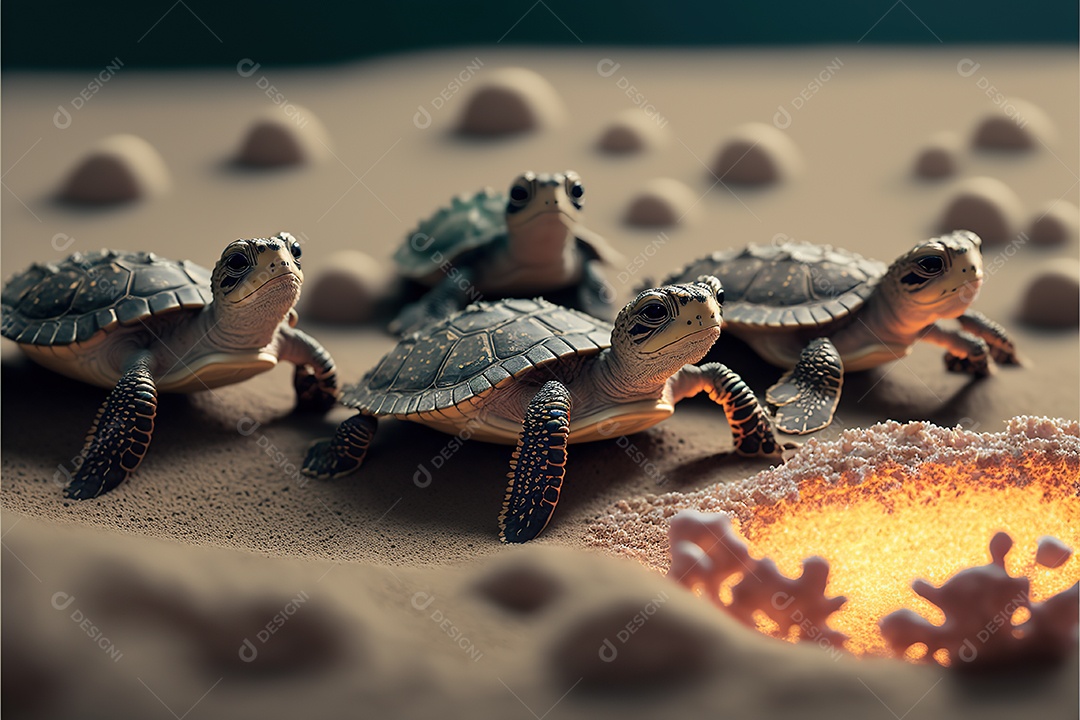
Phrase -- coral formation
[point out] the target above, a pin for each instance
(706, 554)
(830, 499)
(981, 605)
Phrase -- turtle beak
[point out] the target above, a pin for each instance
(275, 267)
(697, 324)
(550, 202)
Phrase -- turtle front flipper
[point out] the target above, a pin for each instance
(344, 452)
(751, 430)
(1001, 345)
(315, 378)
(120, 434)
(965, 353)
(806, 396)
(538, 465)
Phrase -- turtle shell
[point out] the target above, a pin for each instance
(468, 223)
(469, 353)
(788, 285)
(71, 301)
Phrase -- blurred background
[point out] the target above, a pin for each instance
(75, 34)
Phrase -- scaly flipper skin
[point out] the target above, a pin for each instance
(965, 353)
(1001, 345)
(344, 452)
(538, 465)
(751, 429)
(806, 396)
(120, 435)
(315, 379)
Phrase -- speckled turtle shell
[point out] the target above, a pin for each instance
(74, 300)
(791, 285)
(468, 223)
(467, 355)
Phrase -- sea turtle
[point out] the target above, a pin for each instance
(540, 375)
(526, 243)
(820, 310)
(142, 324)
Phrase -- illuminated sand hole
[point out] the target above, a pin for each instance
(898, 539)
(894, 527)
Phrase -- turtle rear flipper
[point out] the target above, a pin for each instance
(344, 452)
(538, 465)
(120, 434)
(806, 396)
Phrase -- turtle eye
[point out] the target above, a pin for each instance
(654, 312)
(294, 248)
(931, 264)
(720, 297)
(237, 262)
(520, 194)
(575, 189)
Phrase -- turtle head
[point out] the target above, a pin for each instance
(259, 273)
(940, 277)
(541, 210)
(665, 328)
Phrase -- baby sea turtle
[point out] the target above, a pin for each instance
(141, 324)
(541, 375)
(526, 243)
(820, 310)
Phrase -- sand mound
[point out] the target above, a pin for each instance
(510, 101)
(277, 139)
(120, 168)
(987, 207)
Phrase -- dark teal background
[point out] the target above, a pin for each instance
(185, 33)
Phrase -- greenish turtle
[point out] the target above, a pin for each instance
(142, 324)
(538, 375)
(818, 311)
(528, 242)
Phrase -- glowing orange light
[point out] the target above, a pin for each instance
(896, 526)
